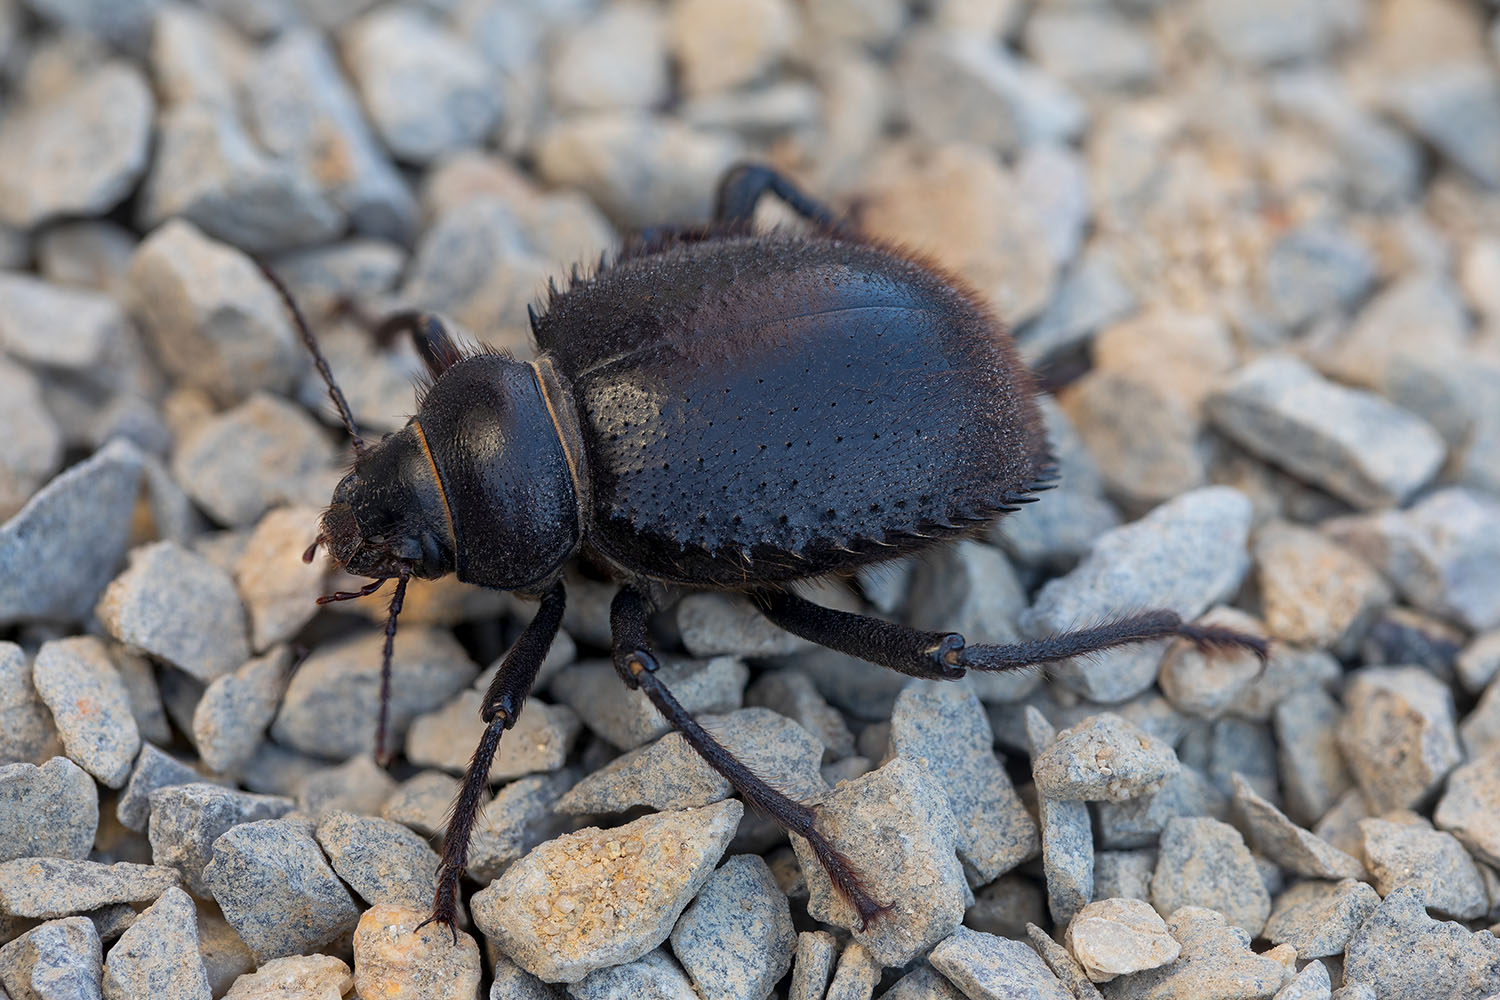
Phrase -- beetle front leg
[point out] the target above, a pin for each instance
(637, 665)
(502, 706)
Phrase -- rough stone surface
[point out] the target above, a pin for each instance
(1312, 770)
(230, 720)
(179, 607)
(1312, 590)
(157, 956)
(1208, 683)
(812, 965)
(942, 726)
(856, 974)
(736, 939)
(1405, 954)
(188, 819)
(1470, 807)
(302, 977)
(1184, 556)
(79, 683)
(56, 960)
(58, 553)
(1406, 850)
(276, 889)
(394, 958)
(278, 588)
(792, 693)
(1067, 836)
(1287, 844)
(654, 976)
(1318, 918)
(1285, 412)
(50, 811)
(894, 824)
(383, 861)
(1205, 863)
(539, 741)
(153, 769)
(990, 967)
(1398, 735)
(626, 718)
(1115, 937)
(56, 887)
(611, 895)
(1104, 757)
(1215, 962)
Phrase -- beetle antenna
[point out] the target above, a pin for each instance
(381, 757)
(320, 362)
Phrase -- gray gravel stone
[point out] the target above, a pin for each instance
(382, 861)
(1347, 441)
(1115, 937)
(1398, 735)
(57, 326)
(49, 811)
(1215, 961)
(1275, 32)
(923, 984)
(1097, 50)
(616, 59)
(669, 774)
(1311, 767)
(34, 450)
(1314, 271)
(735, 940)
(856, 974)
(522, 815)
(1404, 849)
(1205, 863)
(1318, 918)
(792, 693)
(153, 769)
(332, 703)
(1287, 844)
(230, 720)
(1406, 955)
(276, 889)
(943, 727)
(511, 982)
(1439, 554)
(58, 960)
(1470, 807)
(610, 895)
(358, 785)
(653, 976)
(79, 151)
(540, 740)
(715, 624)
(138, 674)
(179, 607)
(986, 967)
(1455, 108)
(1104, 757)
(1479, 662)
(894, 824)
(1312, 983)
(186, 821)
(56, 887)
(1123, 874)
(627, 718)
(60, 551)
(421, 802)
(211, 317)
(1184, 556)
(1066, 833)
(304, 111)
(812, 966)
(26, 729)
(1207, 683)
(157, 956)
(79, 683)
(426, 90)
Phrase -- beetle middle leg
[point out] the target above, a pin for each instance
(945, 655)
(502, 706)
(637, 666)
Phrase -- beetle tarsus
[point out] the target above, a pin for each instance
(445, 903)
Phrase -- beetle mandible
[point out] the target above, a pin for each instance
(713, 409)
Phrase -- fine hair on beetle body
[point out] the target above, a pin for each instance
(713, 409)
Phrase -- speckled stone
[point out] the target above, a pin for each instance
(539, 741)
(157, 956)
(179, 607)
(894, 824)
(653, 976)
(1215, 961)
(611, 895)
(1115, 937)
(991, 968)
(719, 624)
(383, 861)
(421, 802)
(1314, 591)
(627, 718)
(511, 982)
(48, 811)
(187, 819)
(1318, 918)
(79, 683)
(1105, 758)
(1406, 955)
(1398, 735)
(1066, 833)
(1404, 849)
(735, 940)
(1062, 964)
(1205, 863)
(1207, 683)
(332, 704)
(153, 769)
(56, 887)
(1287, 844)
(276, 889)
(300, 977)
(225, 956)
(522, 815)
(358, 785)
(57, 960)
(813, 965)
(279, 589)
(943, 727)
(1312, 770)
(26, 729)
(1185, 555)
(395, 958)
(1470, 807)
(855, 976)
(792, 693)
(1123, 874)
(669, 774)
(230, 720)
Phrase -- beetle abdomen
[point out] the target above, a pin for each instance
(786, 407)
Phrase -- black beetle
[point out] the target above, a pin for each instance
(713, 409)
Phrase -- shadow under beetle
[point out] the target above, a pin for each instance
(713, 409)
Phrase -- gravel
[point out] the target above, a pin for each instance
(157, 956)
(1115, 937)
(735, 940)
(394, 957)
(51, 811)
(990, 967)
(76, 679)
(1319, 918)
(1205, 864)
(1402, 953)
(56, 887)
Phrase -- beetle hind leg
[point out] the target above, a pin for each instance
(745, 184)
(637, 666)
